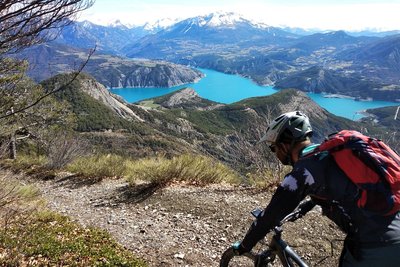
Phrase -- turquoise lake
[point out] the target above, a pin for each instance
(225, 88)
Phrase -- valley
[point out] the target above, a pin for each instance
(172, 178)
(229, 88)
(331, 62)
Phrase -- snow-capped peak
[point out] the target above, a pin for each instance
(87, 24)
(160, 24)
(116, 23)
(226, 19)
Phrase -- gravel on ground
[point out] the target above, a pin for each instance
(183, 225)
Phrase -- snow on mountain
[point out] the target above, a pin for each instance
(118, 24)
(225, 19)
(87, 24)
(216, 19)
(159, 24)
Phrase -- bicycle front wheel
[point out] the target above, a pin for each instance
(229, 259)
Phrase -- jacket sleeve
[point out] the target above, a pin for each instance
(286, 198)
(282, 203)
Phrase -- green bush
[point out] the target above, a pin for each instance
(99, 166)
(50, 239)
(185, 168)
(30, 236)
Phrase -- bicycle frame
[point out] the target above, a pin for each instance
(276, 247)
(286, 254)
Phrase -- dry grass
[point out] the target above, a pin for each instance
(188, 168)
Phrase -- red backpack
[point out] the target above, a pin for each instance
(371, 165)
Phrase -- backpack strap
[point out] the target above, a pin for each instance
(308, 151)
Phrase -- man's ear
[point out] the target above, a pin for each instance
(282, 147)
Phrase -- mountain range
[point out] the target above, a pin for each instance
(332, 62)
(112, 71)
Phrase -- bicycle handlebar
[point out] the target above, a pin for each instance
(301, 210)
(268, 255)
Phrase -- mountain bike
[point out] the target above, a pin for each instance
(276, 247)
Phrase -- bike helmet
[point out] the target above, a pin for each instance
(289, 127)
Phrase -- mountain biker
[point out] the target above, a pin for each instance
(372, 240)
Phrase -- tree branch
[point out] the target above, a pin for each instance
(24, 22)
(62, 87)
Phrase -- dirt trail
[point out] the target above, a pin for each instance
(182, 225)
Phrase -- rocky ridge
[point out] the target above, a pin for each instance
(186, 98)
(128, 74)
(49, 59)
(116, 103)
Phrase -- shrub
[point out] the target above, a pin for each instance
(98, 166)
(26, 162)
(49, 239)
(188, 168)
(16, 199)
(267, 177)
(63, 147)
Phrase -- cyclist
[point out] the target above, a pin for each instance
(370, 241)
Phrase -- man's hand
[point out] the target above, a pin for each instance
(238, 249)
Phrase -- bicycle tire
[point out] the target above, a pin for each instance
(229, 254)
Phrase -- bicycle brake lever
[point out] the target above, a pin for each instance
(306, 207)
(296, 215)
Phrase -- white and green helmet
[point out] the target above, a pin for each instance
(291, 126)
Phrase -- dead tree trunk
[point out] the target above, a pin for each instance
(13, 146)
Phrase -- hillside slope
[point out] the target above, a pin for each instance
(183, 122)
(386, 116)
(230, 132)
(85, 93)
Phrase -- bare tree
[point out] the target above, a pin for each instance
(62, 147)
(27, 22)
(254, 158)
(24, 23)
(5, 113)
(20, 123)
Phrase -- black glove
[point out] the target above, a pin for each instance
(238, 249)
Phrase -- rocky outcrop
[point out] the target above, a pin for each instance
(51, 59)
(99, 92)
(186, 98)
(145, 74)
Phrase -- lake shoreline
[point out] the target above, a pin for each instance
(134, 87)
(230, 88)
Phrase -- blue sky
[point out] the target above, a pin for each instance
(322, 14)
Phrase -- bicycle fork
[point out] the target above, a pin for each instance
(286, 254)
